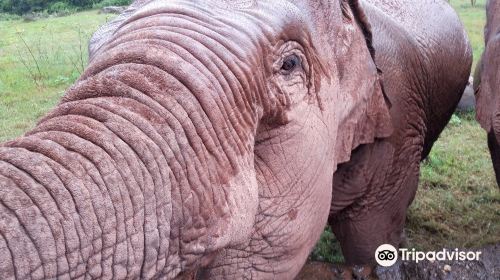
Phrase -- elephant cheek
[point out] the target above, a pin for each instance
(243, 203)
(301, 228)
(295, 186)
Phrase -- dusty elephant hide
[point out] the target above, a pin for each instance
(487, 85)
(201, 139)
(416, 43)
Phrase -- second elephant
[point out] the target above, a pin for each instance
(424, 55)
(487, 85)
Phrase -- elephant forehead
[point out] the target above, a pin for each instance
(266, 16)
(234, 4)
(230, 5)
(223, 4)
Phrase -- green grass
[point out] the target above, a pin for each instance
(327, 249)
(474, 19)
(457, 203)
(38, 61)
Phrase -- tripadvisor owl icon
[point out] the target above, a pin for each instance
(386, 255)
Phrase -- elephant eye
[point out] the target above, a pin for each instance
(290, 63)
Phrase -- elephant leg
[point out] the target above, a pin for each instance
(494, 147)
(377, 216)
(360, 238)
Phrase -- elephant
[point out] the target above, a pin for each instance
(424, 56)
(487, 84)
(200, 142)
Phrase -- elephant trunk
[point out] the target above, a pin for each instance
(144, 169)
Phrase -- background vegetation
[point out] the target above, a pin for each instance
(457, 204)
(20, 7)
(38, 61)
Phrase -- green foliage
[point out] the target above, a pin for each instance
(6, 16)
(455, 120)
(106, 3)
(59, 7)
(82, 3)
(327, 249)
(20, 7)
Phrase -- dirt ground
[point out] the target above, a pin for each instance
(487, 268)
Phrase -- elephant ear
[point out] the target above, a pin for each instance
(360, 78)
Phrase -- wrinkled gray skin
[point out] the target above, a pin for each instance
(424, 55)
(487, 84)
(200, 141)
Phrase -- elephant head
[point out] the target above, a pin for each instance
(202, 138)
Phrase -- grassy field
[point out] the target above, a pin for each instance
(457, 205)
(38, 61)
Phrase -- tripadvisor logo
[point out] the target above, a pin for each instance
(387, 255)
